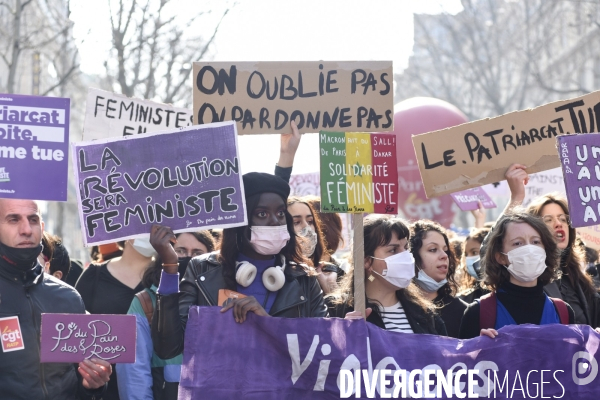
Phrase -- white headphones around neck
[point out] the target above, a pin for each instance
(273, 278)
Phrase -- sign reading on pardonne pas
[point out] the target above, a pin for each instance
(332, 358)
(34, 143)
(479, 152)
(263, 97)
(110, 114)
(189, 180)
(358, 173)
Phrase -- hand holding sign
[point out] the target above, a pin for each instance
(243, 306)
(517, 177)
(289, 146)
(95, 373)
(162, 239)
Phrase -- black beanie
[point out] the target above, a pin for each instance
(260, 182)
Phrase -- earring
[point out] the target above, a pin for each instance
(371, 278)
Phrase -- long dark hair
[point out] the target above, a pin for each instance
(234, 240)
(418, 231)
(572, 259)
(331, 225)
(320, 248)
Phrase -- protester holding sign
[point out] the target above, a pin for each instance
(266, 248)
(520, 259)
(394, 302)
(151, 377)
(27, 292)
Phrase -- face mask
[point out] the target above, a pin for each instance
(24, 259)
(470, 268)
(183, 263)
(527, 262)
(144, 247)
(400, 269)
(309, 242)
(429, 284)
(269, 240)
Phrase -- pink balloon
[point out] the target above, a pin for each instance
(412, 117)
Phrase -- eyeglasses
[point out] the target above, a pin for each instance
(183, 253)
(562, 218)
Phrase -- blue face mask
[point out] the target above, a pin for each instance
(470, 267)
(429, 284)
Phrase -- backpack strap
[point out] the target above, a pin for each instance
(487, 311)
(561, 309)
(146, 302)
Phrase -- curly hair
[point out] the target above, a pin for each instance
(321, 247)
(495, 274)
(419, 231)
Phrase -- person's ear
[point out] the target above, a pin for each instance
(58, 275)
(43, 225)
(501, 259)
(367, 263)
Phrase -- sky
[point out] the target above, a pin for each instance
(281, 30)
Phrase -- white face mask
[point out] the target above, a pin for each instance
(143, 247)
(470, 268)
(527, 262)
(269, 240)
(429, 284)
(309, 240)
(400, 269)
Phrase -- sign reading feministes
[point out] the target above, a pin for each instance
(580, 155)
(75, 337)
(263, 97)
(34, 144)
(189, 180)
(468, 200)
(479, 152)
(358, 173)
(323, 358)
(110, 115)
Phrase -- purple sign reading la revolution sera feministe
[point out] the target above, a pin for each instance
(187, 179)
(34, 144)
(76, 337)
(302, 358)
(579, 156)
(467, 199)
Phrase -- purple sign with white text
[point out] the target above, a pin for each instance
(580, 156)
(34, 144)
(187, 179)
(332, 358)
(467, 199)
(76, 337)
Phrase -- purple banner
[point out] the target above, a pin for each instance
(76, 337)
(188, 179)
(311, 358)
(34, 144)
(579, 156)
(467, 199)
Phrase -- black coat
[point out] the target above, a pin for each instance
(300, 296)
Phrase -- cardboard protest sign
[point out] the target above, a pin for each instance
(34, 143)
(590, 236)
(110, 115)
(479, 152)
(542, 183)
(580, 156)
(263, 97)
(467, 200)
(77, 337)
(358, 173)
(189, 181)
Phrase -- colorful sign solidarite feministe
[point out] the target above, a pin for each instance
(189, 180)
(73, 338)
(263, 97)
(34, 144)
(110, 115)
(358, 173)
(325, 358)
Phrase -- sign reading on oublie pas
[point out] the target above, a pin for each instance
(34, 143)
(188, 179)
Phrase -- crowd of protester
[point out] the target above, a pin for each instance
(527, 267)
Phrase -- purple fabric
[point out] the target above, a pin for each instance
(169, 283)
(34, 132)
(579, 155)
(256, 288)
(226, 360)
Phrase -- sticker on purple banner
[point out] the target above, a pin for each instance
(34, 144)
(75, 337)
(467, 199)
(188, 179)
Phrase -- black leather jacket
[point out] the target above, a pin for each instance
(301, 296)
(27, 295)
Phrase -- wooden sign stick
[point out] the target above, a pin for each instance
(358, 256)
